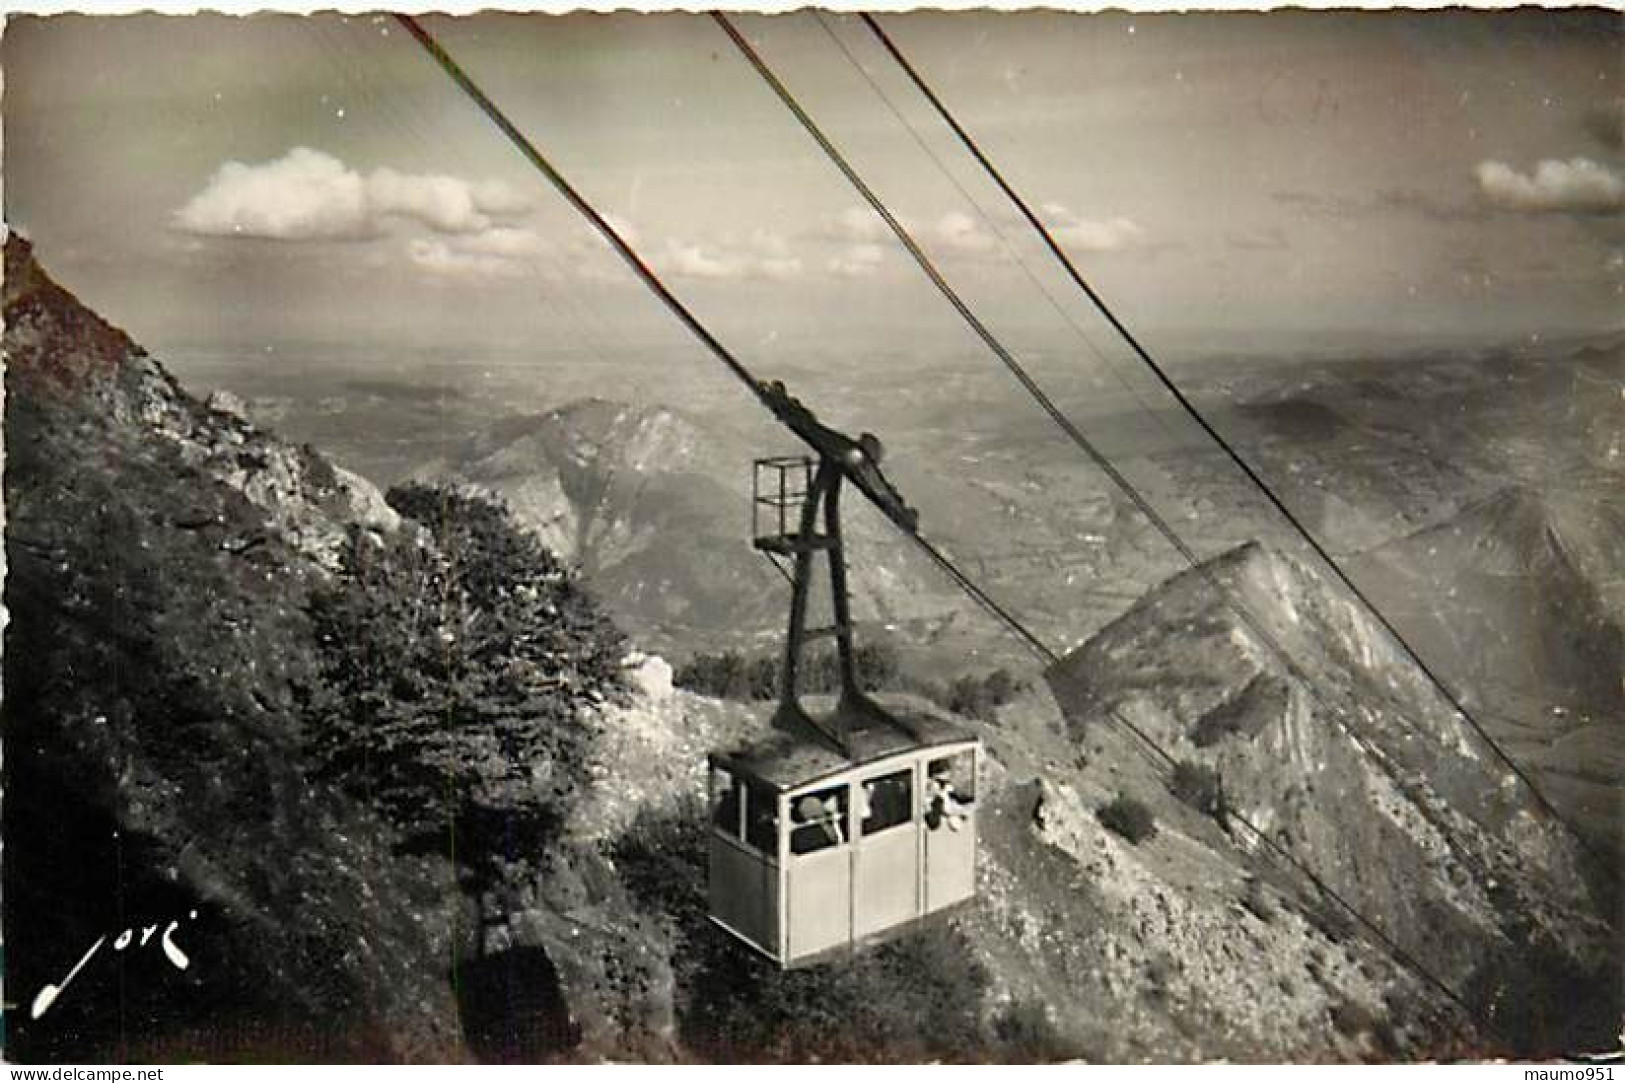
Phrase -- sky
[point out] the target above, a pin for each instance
(1281, 180)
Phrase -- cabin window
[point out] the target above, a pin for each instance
(762, 818)
(887, 801)
(956, 772)
(818, 820)
(726, 798)
(950, 791)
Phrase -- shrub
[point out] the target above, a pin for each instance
(735, 676)
(980, 697)
(731, 675)
(1160, 974)
(1198, 786)
(1025, 1034)
(1256, 899)
(722, 676)
(1129, 818)
(1353, 1019)
(451, 672)
(1264, 698)
(915, 998)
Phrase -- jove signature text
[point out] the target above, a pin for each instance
(49, 993)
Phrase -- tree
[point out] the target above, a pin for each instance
(1198, 786)
(453, 664)
(1125, 816)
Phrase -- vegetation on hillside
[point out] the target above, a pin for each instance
(1129, 818)
(452, 672)
(1200, 787)
(733, 675)
(733, 1006)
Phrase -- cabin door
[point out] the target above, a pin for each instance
(886, 857)
(819, 903)
(950, 829)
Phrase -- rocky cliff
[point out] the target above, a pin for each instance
(160, 555)
(1518, 598)
(1323, 736)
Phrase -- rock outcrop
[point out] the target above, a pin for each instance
(1323, 736)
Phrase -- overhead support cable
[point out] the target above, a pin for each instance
(576, 200)
(1196, 415)
(1106, 466)
(993, 226)
(1016, 369)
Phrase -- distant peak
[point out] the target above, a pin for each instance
(52, 339)
(20, 265)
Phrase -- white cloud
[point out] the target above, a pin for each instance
(698, 261)
(500, 199)
(960, 231)
(309, 195)
(440, 258)
(303, 195)
(782, 269)
(856, 261)
(1577, 186)
(628, 231)
(963, 233)
(857, 225)
(858, 230)
(444, 204)
(1091, 234)
(762, 255)
(508, 242)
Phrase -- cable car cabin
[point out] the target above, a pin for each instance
(836, 828)
(814, 852)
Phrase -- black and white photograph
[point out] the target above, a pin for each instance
(818, 537)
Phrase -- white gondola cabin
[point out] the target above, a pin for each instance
(813, 852)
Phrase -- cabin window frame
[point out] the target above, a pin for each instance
(909, 772)
(717, 796)
(759, 794)
(840, 819)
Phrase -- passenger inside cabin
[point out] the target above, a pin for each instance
(944, 803)
(886, 802)
(819, 821)
(725, 798)
(761, 818)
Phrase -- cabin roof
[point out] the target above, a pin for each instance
(787, 758)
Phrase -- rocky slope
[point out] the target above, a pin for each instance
(1519, 600)
(1535, 601)
(1327, 740)
(160, 552)
(162, 669)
